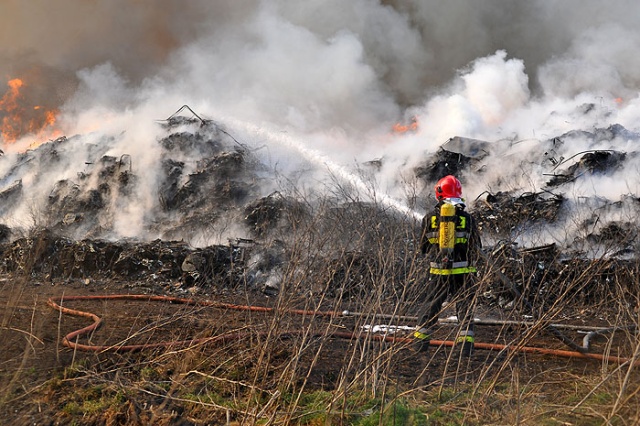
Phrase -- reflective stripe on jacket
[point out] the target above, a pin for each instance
(436, 269)
(457, 262)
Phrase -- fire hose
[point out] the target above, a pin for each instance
(71, 339)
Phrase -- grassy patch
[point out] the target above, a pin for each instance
(94, 401)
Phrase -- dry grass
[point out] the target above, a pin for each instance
(346, 255)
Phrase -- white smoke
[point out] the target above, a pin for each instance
(337, 75)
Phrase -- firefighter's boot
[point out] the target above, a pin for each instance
(421, 340)
(465, 341)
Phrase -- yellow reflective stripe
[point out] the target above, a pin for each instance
(419, 335)
(462, 339)
(453, 271)
(433, 238)
(463, 222)
(462, 237)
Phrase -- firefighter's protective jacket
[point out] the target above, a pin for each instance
(461, 259)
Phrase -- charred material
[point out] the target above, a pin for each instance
(501, 213)
(603, 162)
(57, 257)
(612, 239)
(5, 233)
(77, 206)
(10, 194)
(544, 275)
(529, 269)
(454, 156)
(220, 178)
(172, 171)
(273, 212)
(442, 163)
(63, 193)
(189, 143)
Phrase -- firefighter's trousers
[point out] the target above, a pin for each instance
(436, 291)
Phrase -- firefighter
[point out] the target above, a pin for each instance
(450, 240)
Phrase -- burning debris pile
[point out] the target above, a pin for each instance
(208, 187)
(595, 242)
(20, 115)
(203, 176)
(208, 181)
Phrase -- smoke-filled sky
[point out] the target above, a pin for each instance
(336, 75)
(318, 64)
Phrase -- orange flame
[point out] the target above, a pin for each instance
(17, 119)
(402, 128)
(9, 105)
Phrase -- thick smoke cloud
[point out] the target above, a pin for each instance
(337, 75)
(410, 47)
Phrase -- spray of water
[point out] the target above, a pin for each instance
(319, 159)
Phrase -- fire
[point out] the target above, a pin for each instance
(15, 85)
(18, 119)
(402, 128)
(9, 105)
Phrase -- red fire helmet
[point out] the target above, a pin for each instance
(448, 187)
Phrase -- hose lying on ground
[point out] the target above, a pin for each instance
(70, 340)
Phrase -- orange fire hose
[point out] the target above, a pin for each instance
(68, 340)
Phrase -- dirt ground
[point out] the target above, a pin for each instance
(44, 382)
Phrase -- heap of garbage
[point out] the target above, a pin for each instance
(210, 188)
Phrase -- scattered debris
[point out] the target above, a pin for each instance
(441, 164)
(501, 213)
(272, 213)
(470, 148)
(604, 162)
(158, 261)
